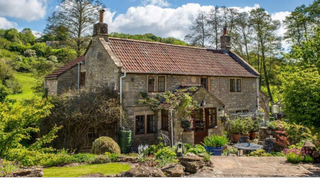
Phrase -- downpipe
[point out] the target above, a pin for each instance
(121, 80)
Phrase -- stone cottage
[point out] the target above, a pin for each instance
(226, 83)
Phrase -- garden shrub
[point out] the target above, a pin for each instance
(296, 133)
(8, 167)
(101, 159)
(165, 156)
(105, 144)
(258, 153)
(112, 156)
(295, 155)
(84, 157)
(206, 157)
(197, 149)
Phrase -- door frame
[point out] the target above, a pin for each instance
(204, 133)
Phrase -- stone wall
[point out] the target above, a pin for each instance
(52, 86)
(133, 84)
(68, 80)
(100, 68)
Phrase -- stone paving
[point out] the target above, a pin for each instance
(225, 166)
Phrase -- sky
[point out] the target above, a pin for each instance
(165, 18)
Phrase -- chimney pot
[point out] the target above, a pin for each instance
(101, 15)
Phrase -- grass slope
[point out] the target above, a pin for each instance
(77, 171)
(27, 81)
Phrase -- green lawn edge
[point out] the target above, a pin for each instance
(77, 171)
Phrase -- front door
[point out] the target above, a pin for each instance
(203, 119)
(200, 126)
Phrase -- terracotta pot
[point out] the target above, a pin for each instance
(236, 137)
(253, 135)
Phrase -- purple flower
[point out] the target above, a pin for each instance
(2, 172)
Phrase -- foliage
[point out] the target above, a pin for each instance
(165, 156)
(231, 150)
(7, 168)
(215, 141)
(197, 149)
(296, 133)
(101, 159)
(241, 125)
(282, 141)
(143, 151)
(295, 155)
(105, 144)
(273, 125)
(27, 81)
(206, 157)
(148, 37)
(301, 93)
(187, 124)
(259, 153)
(180, 99)
(77, 171)
(224, 119)
(82, 113)
(18, 122)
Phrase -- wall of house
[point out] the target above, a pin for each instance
(100, 68)
(68, 80)
(52, 86)
(133, 84)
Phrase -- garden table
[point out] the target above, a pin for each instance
(244, 146)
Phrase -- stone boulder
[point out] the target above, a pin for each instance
(176, 170)
(127, 159)
(142, 171)
(192, 164)
(30, 172)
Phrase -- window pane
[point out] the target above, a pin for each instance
(151, 84)
(151, 125)
(139, 124)
(238, 85)
(164, 120)
(232, 83)
(161, 82)
(204, 82)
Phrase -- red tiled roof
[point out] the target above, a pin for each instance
(66, 67)
(159, 58)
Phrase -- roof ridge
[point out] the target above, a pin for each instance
(153, 42)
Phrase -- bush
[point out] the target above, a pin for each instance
(295, 155)
(84, 157)
(101, 159)
(258, 153)
(296, 133)
(197, 149)
(206, 157)
(165, 156)
(112, 156)
(8, 167)
(105, 144)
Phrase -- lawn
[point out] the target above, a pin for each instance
(27, 81)
(77, 171)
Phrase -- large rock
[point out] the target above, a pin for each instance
(127, 159)
(142, 171)
(192, 164)
(176, 170)
(30, 172)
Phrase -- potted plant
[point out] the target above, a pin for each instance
(254, 129)
(235, 129)
(272, 126)
(214, 144)
(246, 126)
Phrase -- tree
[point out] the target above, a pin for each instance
(215, 23)
(78, 16)
(199, 31)
(18, 120)
(27, 37)
(301, 93)
(266, 40)
(307, 53)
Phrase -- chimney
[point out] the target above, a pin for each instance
(101, 28)
(225, 41)
(101, 15)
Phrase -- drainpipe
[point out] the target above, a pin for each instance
(79, 76)
(171, 127)
(257, 94)
(125, 75)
